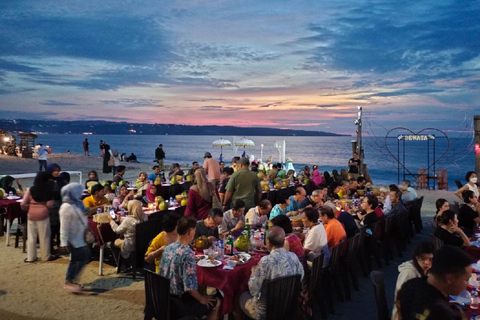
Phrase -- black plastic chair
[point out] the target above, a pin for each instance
(281, 297)
(417, 215)
(316, 296)
(378, 282)
(144, 234)
(437, 243)
(157, 297)
(22, 229)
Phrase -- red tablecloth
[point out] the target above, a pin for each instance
(102, 231)
(13, 209)
(230, 282)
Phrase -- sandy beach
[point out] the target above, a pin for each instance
(35, 291)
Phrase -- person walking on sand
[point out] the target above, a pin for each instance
(42, 157)
(160, 156)
(85, 147)
(73, 222)
(102, 148)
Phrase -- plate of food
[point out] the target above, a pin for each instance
(262, 249)
(240, 257)
(208, 263)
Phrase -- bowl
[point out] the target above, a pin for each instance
(232, 263)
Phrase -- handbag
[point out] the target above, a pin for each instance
(111, 161)
(88, 235)
(216, 202)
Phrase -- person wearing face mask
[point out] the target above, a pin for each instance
(471, 178)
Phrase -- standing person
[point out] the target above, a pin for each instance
(179, 265)
(353, 166)
(73, 223)
(116, 161)
(85, 147)
(57, 184)
(244, 185)
(416, 268)
(107, 163)
(42, 157)
(212, 168)
(102, 148)
(201, 197)
(36, 201)
(471, 185)
(160, 156)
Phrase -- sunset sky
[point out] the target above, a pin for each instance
(282, 64)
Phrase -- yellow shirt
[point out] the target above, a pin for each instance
(156, 244)
(90, 202)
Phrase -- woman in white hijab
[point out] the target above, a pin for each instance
(73, 223)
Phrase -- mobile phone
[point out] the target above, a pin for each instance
(112, 214)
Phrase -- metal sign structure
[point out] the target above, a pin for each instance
(431, 156)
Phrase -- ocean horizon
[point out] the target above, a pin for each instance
(327, 152)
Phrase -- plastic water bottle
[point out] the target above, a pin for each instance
(99, 210)
(10, 194)
(221, 249)
(474, 300)
(171, 202)
(122, 212)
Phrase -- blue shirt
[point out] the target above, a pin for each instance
(294, 205)
(153, 176)
(276, 211)
(178, 264)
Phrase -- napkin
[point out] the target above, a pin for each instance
(227, 267)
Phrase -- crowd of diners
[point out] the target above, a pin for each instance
(222, 201)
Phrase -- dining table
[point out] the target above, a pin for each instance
(231, 282)
(12, 211)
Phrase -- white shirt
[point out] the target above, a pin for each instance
(316, 241)
(254, 218)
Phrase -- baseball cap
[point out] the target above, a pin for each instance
(207, 154)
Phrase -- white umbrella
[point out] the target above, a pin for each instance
(244, 142)
(221, 143)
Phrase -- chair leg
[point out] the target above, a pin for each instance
(24, 238)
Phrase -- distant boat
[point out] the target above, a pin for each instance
(87, 133)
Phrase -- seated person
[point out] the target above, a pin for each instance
(361, 183)
(353, 184)
(257, 216)
(194, 167)
(442, 205)
(95, 200)
(296, 201)
(233, 219)
(279, 263)
(367, 215)
(314, 200)
(141, 184)
(122, 199)
(131, 158)
(316, 239)
(164, 238)
(118, 178)
(449, 232)
(344, 191)
(333, 228)
(468, 217)
(386, 204)
(179, 265)
(407, 196)
(92, 179)
(410, 189)
(6, 183)
(155, 174)
(176, 171)
(281, 207)
(150, 194)
(335, 191)
(109, 194)
(127, 227)
(427, 299)
(209, 226)
(346, 219)
(292, 241)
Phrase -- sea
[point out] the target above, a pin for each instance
(388, 160)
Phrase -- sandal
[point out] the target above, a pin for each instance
(52, 258)
(27, 261)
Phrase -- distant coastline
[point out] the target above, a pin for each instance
(110, 127)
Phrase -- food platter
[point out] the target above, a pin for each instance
(207, 263)
(240, 257)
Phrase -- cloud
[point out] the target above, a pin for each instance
(327, 105)
(58, 103)
(134, 102)
(274, 104)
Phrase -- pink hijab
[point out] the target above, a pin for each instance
(150, 197)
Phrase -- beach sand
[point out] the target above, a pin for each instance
(35, 291)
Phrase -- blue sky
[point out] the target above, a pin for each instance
(283, 64)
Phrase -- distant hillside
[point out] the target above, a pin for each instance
(106, 127)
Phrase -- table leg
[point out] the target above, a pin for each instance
(100, 262)
(2, 221)
(8, 232)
